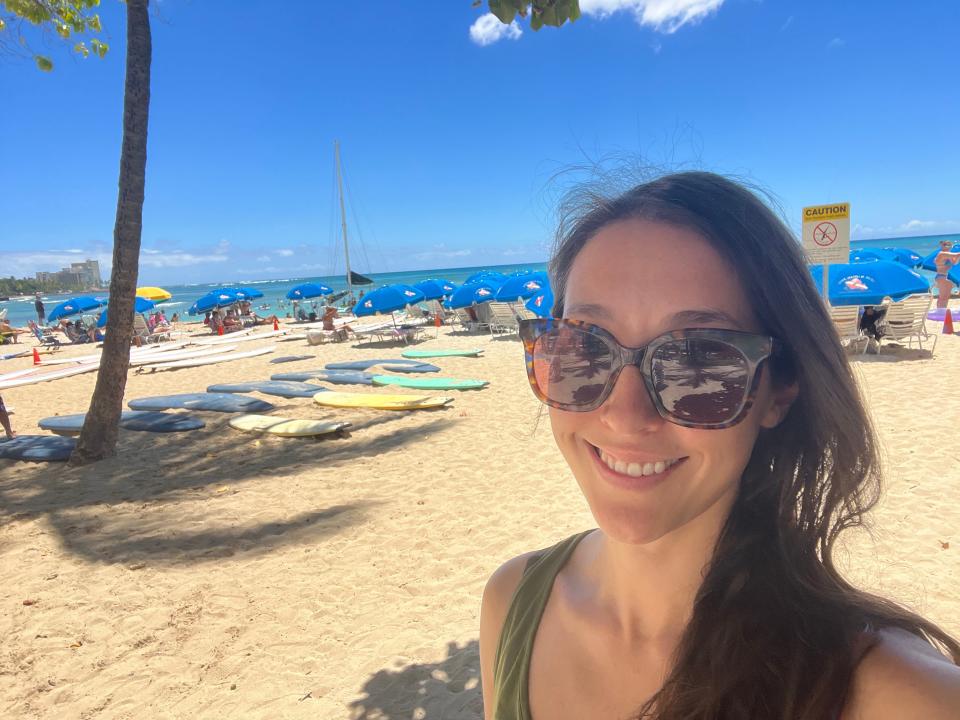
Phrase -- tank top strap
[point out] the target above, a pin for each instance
(511, 666)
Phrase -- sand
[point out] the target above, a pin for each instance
(218, 574)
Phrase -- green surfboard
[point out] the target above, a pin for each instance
(431, 383)
(417, 354)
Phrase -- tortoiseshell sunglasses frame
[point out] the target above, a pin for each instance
(754, 348)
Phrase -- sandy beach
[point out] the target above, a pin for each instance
(218, 574)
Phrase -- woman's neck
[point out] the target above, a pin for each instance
(648, 590)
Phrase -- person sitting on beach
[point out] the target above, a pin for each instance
(869, 319)
(8, 332)
(231, 321)
(720, 440)
(5, 421)
(945, 261)
(341, 331)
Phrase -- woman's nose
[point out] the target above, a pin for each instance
(629, 407)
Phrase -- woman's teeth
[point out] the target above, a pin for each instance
(636, 469)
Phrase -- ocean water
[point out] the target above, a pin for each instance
(20, 311)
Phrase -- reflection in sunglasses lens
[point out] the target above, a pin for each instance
(698, 380)
(571, 366)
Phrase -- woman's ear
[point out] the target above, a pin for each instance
(781, 398)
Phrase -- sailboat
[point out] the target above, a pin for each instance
(353, 278)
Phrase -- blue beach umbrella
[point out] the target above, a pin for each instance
(75, 306)
(434, 289)
(488, 276)
(872, 255)
(869, 283)
(213, 300)
(906, 256)
(387, 299)
(927, 262)
(541, 305)
(523, 286)
(307, 290)
(242, 293)
(140, 305)
(471, 294)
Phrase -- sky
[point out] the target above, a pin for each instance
(459, 134)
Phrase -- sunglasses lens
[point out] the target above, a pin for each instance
(700, 381)
(571, 367)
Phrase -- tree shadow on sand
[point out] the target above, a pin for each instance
(151, 473)
(445, 690)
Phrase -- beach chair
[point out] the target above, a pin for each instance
(482, 311)
(523, 313)
(846, 321)
(45, 336)
(906, 319)
(501, 317)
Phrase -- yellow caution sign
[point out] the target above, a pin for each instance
(826, 233)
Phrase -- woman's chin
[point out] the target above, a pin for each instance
(630, 526)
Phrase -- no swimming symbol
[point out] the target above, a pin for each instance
(825, 234)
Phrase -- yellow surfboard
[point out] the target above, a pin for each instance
(285, 427)
(380, 402)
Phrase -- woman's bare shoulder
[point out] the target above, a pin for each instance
(502, 584)
(903, 677)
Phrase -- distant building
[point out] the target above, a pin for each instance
(81, 274)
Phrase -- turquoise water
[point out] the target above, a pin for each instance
(19, 311)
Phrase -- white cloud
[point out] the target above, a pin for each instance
(910, 227)
(179, 259)
(836, 42)
(666, 16)
(284, 252)
(787, 24)
(488, 29)
(263, 258)
(27, 264)
(437, 255)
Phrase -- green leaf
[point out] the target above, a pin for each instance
(3, 25)
(100, 48)
(81, 48)
(43, 63)
(94, 23)
(63, 31)
(504, 10)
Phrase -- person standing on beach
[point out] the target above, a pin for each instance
(945, 261)
(5, 421)
(41, 312)
(719, 438)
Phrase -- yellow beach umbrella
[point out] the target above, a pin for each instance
(153, 293)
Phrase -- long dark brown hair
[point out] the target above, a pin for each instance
(776, 630)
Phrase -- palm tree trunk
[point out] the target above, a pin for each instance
(98, 439)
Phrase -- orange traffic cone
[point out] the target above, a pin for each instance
(219, 329)
(36, 357)
(947, 323)
(276, 325)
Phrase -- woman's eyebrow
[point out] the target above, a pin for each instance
(701, 316)
(590, 309)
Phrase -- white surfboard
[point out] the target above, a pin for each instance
(233, 337)
(48, 374)
(187, 354)
(285, 427)
(209, 359)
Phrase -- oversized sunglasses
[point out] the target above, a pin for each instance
(699, 377)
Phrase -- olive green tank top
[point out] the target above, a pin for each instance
(511, 665)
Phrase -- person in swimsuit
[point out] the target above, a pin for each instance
(709, 415)
(945, 262)
(5, 421)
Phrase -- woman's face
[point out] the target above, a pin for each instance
(640, 279)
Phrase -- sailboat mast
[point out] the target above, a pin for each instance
(343, 217)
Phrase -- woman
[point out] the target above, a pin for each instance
(720, 463)
(945, 262)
